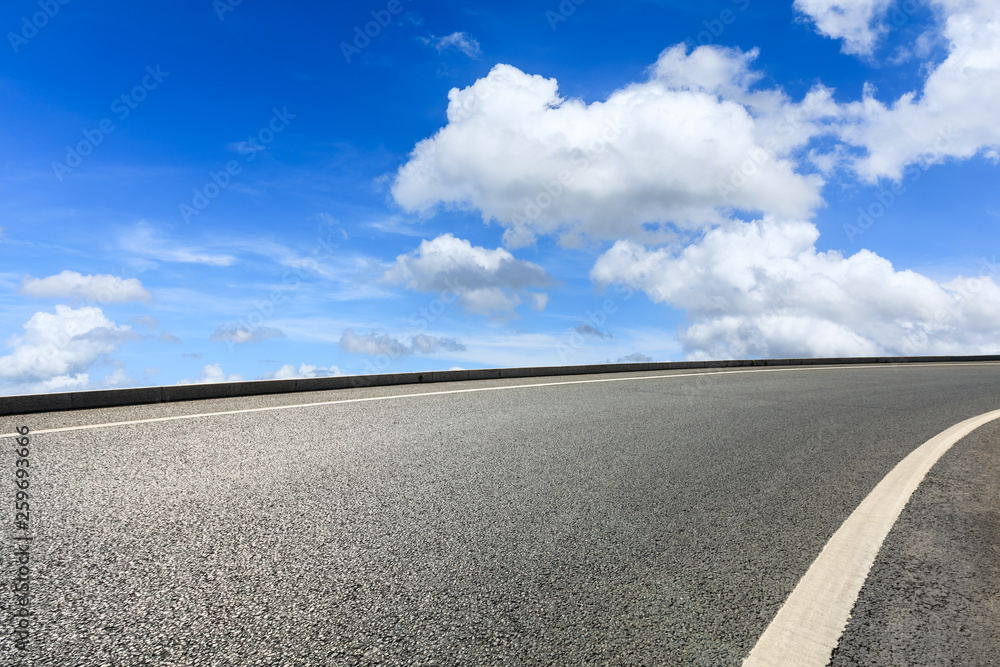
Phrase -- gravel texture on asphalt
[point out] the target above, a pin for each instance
(933, 595)
(650, 522)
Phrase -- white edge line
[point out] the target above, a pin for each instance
(809, 625)
(152, 420)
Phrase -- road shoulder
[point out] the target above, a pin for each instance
(933, 594)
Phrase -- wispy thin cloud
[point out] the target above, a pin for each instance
(236, 334)
(462, 42)
(143, 241)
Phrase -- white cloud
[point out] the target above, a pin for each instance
(142, 241)
(458, 41)
(377, 345)
(372, 344)
(700, 138)
(761, 289)
(57, 350)
(953, 116)
(678, 156)
(858, 22)
(484, 281)
(234, 333)
(396, 224)
(290, 372)
(116, 378)
(212, 373)
(102, 288)
(325, 261)
(653, 153)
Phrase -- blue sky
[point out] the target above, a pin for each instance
(208, 190)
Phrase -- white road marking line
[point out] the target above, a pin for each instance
(152, 420)
(808, 626)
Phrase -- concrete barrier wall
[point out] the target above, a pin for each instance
(33, 403)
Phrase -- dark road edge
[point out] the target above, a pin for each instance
(106, 398)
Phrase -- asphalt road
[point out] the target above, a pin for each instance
(933, 595)
(646, 522)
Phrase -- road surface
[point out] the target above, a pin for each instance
(653, 519)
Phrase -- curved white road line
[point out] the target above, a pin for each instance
(808, 626)
(153, 420)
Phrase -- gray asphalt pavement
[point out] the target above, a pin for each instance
(651, 522)
(933, 595)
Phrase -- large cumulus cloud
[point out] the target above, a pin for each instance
(654, 153)
(762, 289)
